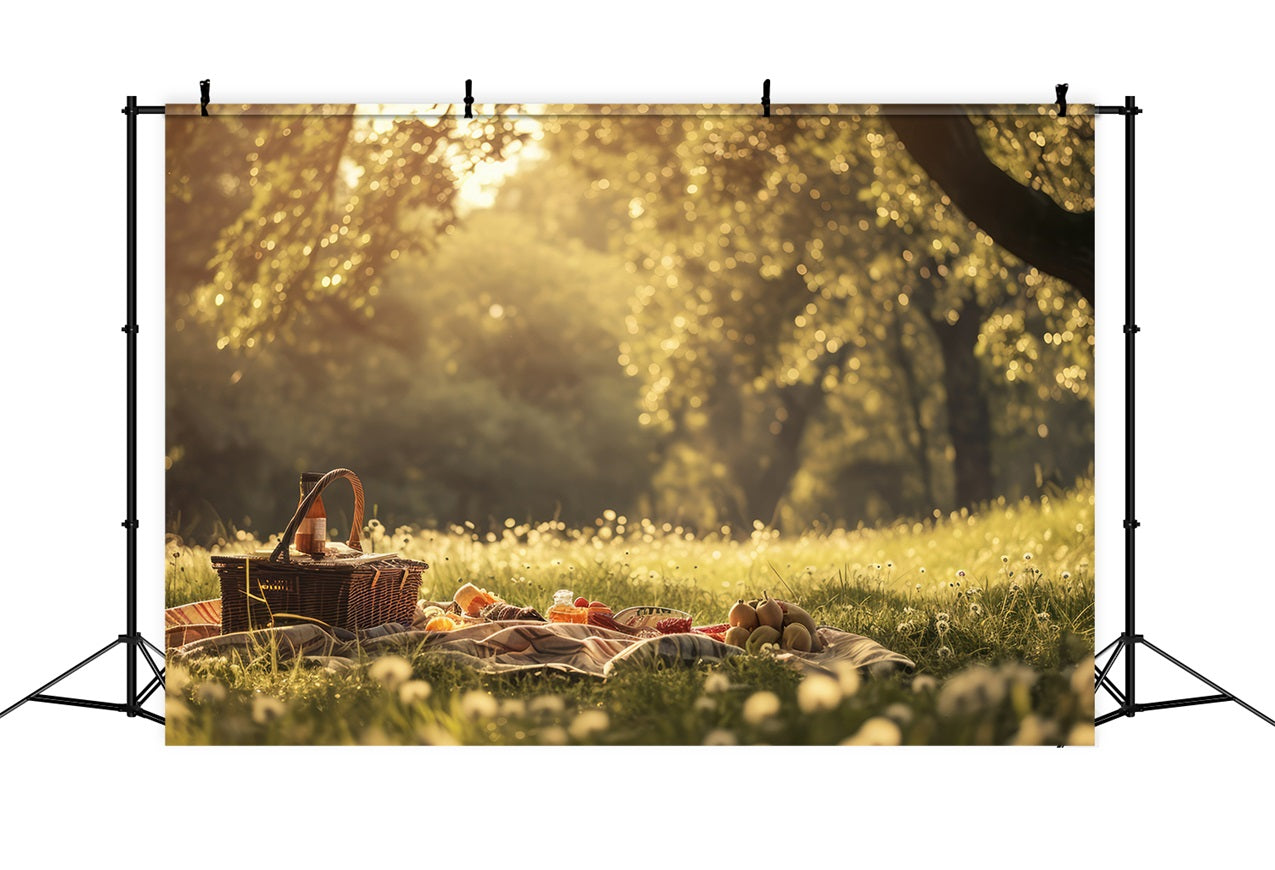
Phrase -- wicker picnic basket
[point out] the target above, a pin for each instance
(351, 590)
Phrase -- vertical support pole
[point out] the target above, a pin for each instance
(130, 329)
(1130, 330)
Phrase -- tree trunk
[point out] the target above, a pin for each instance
(781, 464)
(920, 442)
(969, 420)
(802, 402)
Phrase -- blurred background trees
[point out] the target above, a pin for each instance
(700, 319)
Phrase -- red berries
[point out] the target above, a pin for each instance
(673, 625)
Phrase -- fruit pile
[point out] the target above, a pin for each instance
(769, 621)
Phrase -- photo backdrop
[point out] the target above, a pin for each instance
(661, 356)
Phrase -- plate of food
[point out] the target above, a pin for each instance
(648, 615)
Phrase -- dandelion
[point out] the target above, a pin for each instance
(976, 609)
(433, 734)
(960, 574)
(1044, 614)
(848, 678)
(414, 691)
(899, 712)
(817, 693)
(943, 617)
(266, 708)
(877, 731)
(1066, 575)
(588, 722)
(716, 682)
(476, 704)
(546, 705)
(175, 710)
(1027, 557)
(210, 692)
(554, 735)
(918, 587)
(944, 652)
(941, 626)
(1033, 731)
(1082, 678)
(513, 708)
(922, 570)
(1004, 560)
(1081, 734)
(176, 679)
(760, 706)
(924, 683)
(390, 671)
(973, 689)
(720, 737)
(889, 565)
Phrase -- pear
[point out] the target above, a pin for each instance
(742, 615)
(794, 615)
(737, 635)
(762, 635)
(770, 613)
(796, 638)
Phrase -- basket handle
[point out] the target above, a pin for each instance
(281, 553)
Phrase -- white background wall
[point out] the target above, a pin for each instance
(1184, 784)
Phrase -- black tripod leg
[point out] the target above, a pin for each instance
(154, 717)
(159, 675)
(1118, 643)
(1099, 653)
(62, 676)
(1203, 679)
(148, 690)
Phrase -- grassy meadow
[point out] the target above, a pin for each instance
(994, 606)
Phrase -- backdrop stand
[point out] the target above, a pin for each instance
(134, 644)
(1129, 640)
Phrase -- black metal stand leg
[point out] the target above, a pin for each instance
(1203, 679)
(1128, 705)
(132, 704)
(38, 693)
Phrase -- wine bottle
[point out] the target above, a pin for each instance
(312, 534)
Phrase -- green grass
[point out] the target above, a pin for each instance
(995, 607)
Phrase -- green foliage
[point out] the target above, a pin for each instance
(485, 387)
(807, 276)
(702, 319)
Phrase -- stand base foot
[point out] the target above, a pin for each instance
(132, 706)
(1128, 706)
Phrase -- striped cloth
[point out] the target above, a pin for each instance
(505, 647)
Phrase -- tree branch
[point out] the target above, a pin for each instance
(1026, 222)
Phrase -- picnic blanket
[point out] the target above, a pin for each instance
(516, 645)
